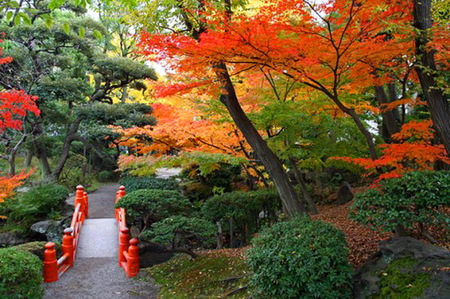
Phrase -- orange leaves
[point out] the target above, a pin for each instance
(14, 105)
(9, 184)
(416, 132)
(414, 153)
(393, 105)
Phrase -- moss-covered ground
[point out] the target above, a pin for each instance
(203, 277)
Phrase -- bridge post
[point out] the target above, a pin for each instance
(79, 199)
(50, 263)
(86, 204)
(133, 258)
(67, 246)
(124, 243)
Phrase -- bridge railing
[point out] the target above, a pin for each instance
(128, 249)
(53, 267)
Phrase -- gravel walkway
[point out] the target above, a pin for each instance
(96, 273)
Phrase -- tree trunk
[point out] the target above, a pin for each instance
(291, 204)
(390, 121)
(219, 236)
(70, 137)
(301, 182)
(427, 71)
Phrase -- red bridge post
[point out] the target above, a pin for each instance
(50, 263)
(133, 258)
(67, 247)
(124, 243)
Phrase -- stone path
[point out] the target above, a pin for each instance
(96, 273)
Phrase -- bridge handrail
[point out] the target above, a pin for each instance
(128, 249)
(53, 268)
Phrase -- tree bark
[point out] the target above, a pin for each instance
(390, 120)
(427, 71)
(289, 198)
(298, 176)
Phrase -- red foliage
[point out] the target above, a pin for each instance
(415, 152)
(14, 105)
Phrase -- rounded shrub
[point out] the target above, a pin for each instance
(38, 203)
(20, 274)
(415, 199)
(147, 206)
(182, 232)
(300, 258)
(133, 183)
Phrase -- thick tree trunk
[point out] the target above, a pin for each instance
(426, 70)
(70, 137)
(291, 204)
(299, 177)
(390, 119)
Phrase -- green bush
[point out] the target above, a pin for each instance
(244, 209)
(182, 232)
(20, 274)
(300, 258)
(136, 183)
(415, 199)
(146, 206)
(105, 176)
(38, 203)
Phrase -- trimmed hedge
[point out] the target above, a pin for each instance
(137, 183)
(20, 274)
(300, 258)
(147, 206)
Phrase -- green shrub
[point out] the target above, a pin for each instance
(38, 203)
(105, 176)
(20, 274)
(243, 209)
(415, 199)
(182, 232)
(146, 206)
(300, 258)
(136, 183)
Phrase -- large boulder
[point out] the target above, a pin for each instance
(12, 238)
(405, 268)
(345, 194)
(52, 230)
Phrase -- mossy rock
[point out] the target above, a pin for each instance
(405, 268)
(37, 248)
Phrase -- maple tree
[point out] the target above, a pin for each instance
(414, 152)
(14, 106)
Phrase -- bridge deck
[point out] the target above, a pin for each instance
(96, 273)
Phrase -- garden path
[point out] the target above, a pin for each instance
(96, 273)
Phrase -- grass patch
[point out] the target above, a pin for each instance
(203, 277)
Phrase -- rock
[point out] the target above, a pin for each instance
(52, 230)
(345, 194)
(12, 238)
(37, 248)
(405, 268)
(152, 254)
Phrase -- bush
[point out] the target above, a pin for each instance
(412, 200)
(244, 209)
(138, 183)
(182, 232)
(105, 176)
(301, 258)
(20, 274)
(147, 206)
(38, 203)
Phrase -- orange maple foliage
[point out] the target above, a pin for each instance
(9, 184)
(181, 128)
(415, 152)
